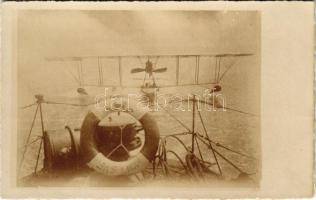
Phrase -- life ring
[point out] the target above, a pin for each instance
(97, 161)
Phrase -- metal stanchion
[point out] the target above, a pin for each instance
(38, 102)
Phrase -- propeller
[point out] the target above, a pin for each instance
(136, 70)
(149, 69)
(159, 70)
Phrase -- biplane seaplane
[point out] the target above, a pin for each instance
(150, 87)
(149, 65)
(117, 134)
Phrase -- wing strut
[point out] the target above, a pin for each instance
(197, 68)
(219, 69)
(100, 71)
(215, 73)
(79, 68)
(120, 69)
(177, 69)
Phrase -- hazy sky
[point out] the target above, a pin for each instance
(79, 33)
(74, 33)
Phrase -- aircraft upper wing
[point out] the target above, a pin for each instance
(218, 71)
(78, 58)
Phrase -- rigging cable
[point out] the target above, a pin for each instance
(232, 64)
(210, 144)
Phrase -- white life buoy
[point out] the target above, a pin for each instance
(97, 161)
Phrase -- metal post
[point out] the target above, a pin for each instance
(41, 115)
(28, 138)
(38, 155)
(43, 132)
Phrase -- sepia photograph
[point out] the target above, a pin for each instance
(127, 98)
(121, 99)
